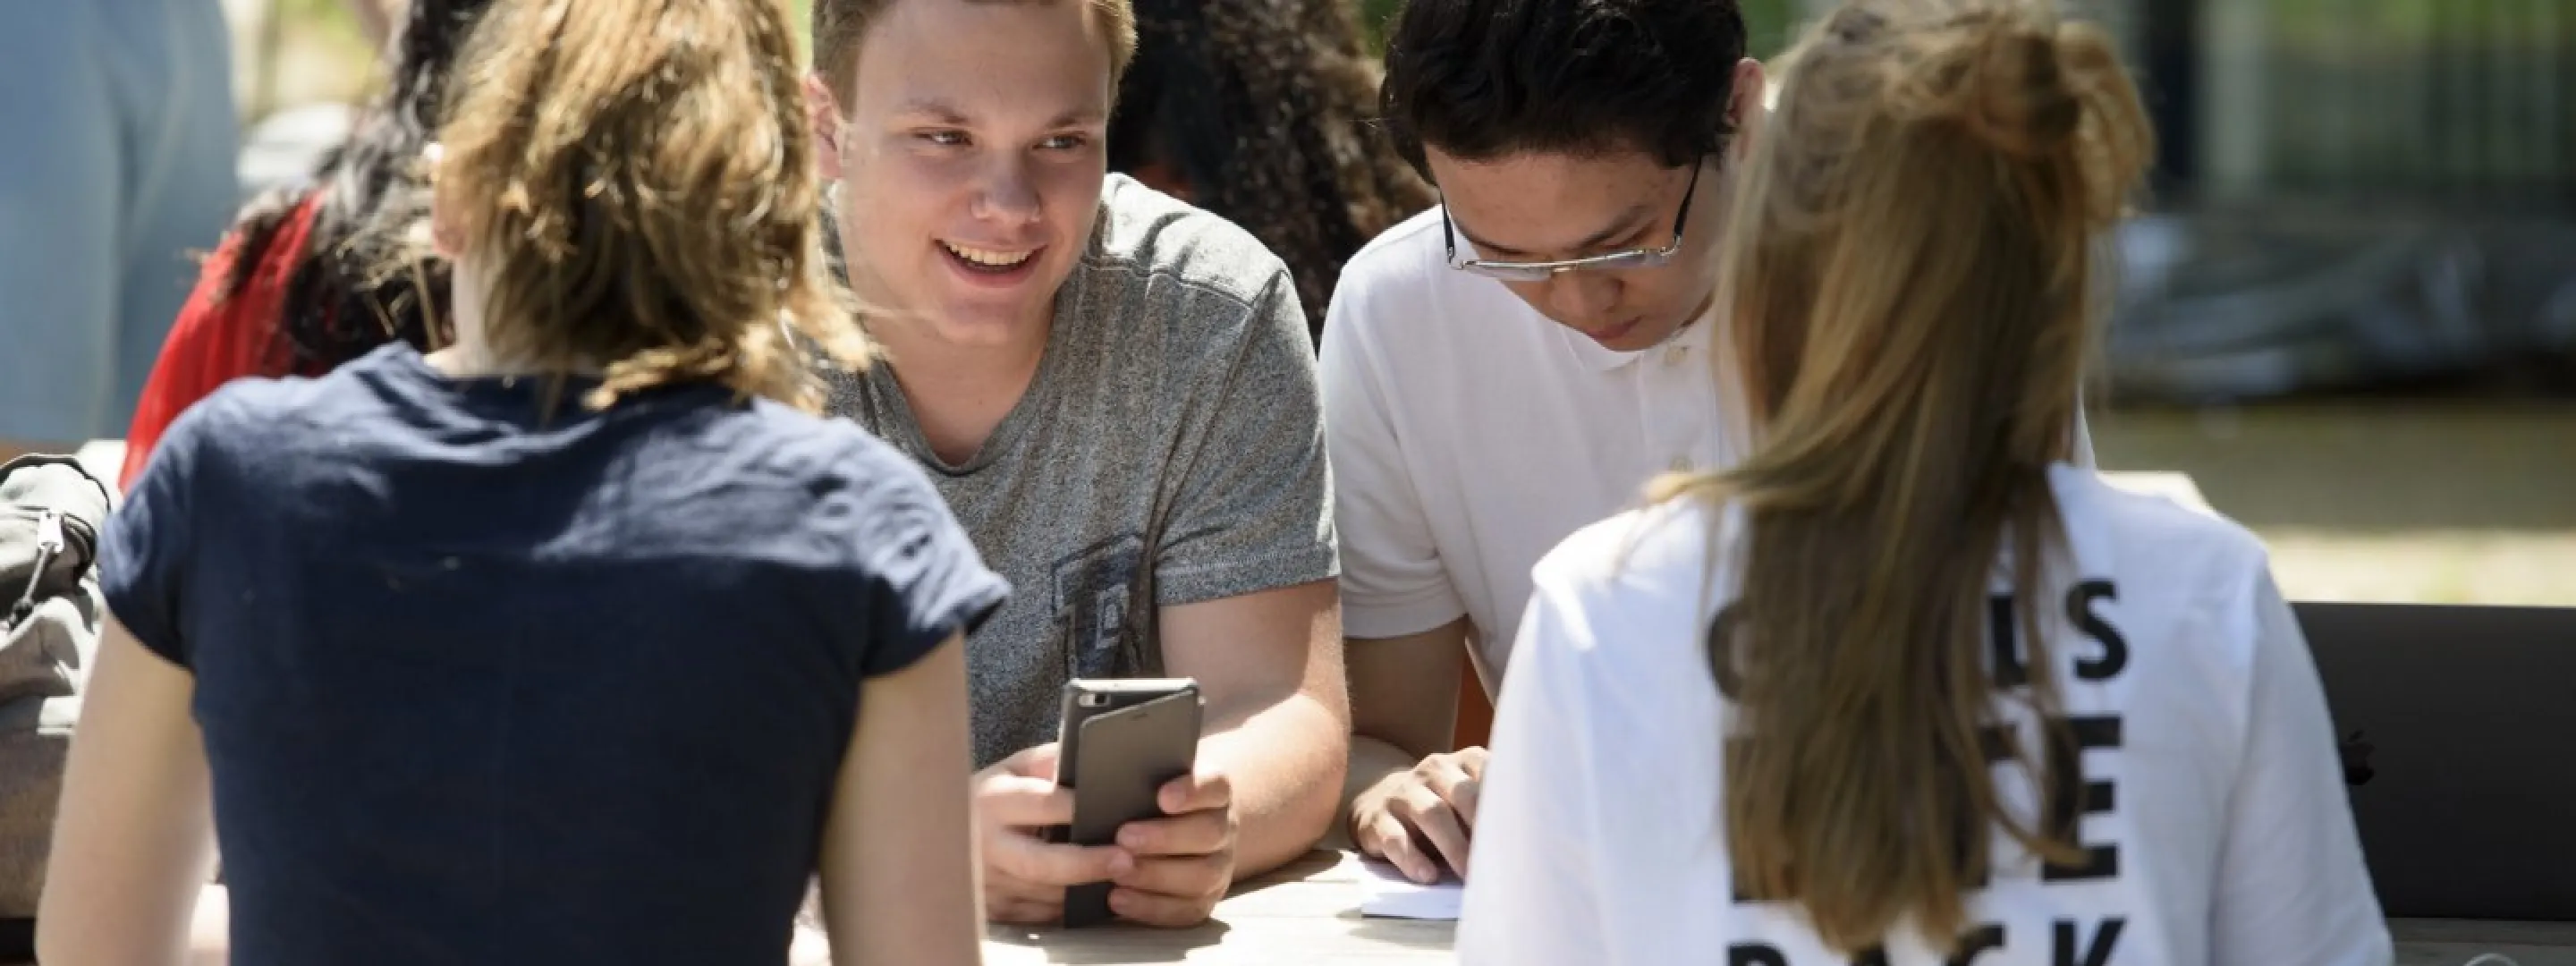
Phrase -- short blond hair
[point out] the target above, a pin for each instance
(839, 25)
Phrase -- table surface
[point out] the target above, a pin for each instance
(1306, 913)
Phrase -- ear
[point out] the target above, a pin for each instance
(1749, 106)
(824, 112)
(445, 236)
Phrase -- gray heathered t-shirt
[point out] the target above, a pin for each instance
(1176, 406)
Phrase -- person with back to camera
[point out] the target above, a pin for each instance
(1906, 686)
(584, 639)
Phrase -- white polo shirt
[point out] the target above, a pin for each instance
(1468, 434)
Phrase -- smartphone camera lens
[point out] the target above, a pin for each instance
(1092, 700)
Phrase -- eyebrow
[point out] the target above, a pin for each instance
(946, 113)
(1627, 223)
(936, 109)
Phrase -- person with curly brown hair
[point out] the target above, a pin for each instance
(1261, 112)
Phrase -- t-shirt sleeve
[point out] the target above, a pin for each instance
(1393, 580)
(145, 546)
(2292, 884)
(1253, 510)
(923, 579)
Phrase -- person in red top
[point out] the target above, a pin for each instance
(301, 283)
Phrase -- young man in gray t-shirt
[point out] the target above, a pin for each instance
(1115, 394)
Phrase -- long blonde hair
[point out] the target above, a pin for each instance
(637, 179)
(1911, 284)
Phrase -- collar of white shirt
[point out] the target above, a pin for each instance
(1599, 358)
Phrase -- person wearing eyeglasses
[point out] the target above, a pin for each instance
(1521, 360)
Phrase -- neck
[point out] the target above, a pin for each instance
(461, 360)
(471, 354)
(921, 353)
(958, 394)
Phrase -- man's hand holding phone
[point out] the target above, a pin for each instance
(1433, 805)
(1184, 863)
(1123, 778)
(1168, 871)
(1016, 802)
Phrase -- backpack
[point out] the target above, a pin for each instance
(51, 613)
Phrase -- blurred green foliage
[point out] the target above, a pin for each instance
(1769, 22)
(798, 12)
(325, 14)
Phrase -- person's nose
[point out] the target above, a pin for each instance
(1582, 296)
(1010, 193)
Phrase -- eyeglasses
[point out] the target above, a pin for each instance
(1542, 271)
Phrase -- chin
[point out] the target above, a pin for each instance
(988, 325)
(1632, 342)
(1649, 335)
(1636, 336)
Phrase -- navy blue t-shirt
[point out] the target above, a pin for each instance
(483, 687)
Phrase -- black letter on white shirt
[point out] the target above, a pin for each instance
(2115, 649)
(1754, 954)
(2074, 796)
(2002, 632)
(2097, 952)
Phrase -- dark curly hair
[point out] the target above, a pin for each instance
(1481, 79)
(342, 300)
(1263, 108)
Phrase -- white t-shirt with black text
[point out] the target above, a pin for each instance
(2213, 815)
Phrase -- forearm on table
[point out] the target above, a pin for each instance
(1404, 705)
(1285, 763)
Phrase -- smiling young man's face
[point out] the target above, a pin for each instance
(970, 160)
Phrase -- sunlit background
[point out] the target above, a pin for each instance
(2350, 313)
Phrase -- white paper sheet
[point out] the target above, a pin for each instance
(1392, 896)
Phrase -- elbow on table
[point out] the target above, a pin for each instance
(1304, 817)
(1320, 801)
